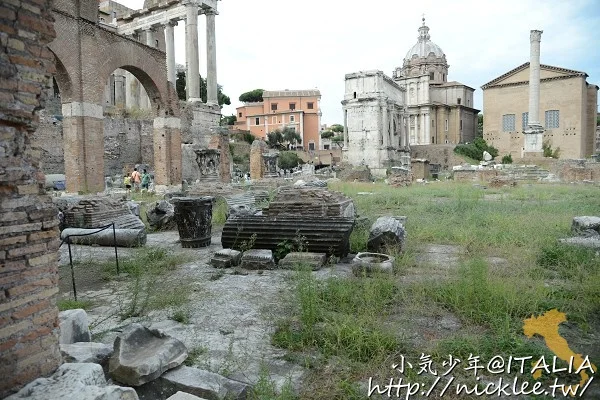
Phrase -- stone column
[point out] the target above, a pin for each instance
(385, 127)
(150, 37)
(534, 78)
(534, 132)
(427, 129)
(170, 50)
(191, 54)
(422, 135)
(211, 59)
(345, 129)
(120, 96)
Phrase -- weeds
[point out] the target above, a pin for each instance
(219, 212)
(70, 304)
(339, 317)
(265, 389)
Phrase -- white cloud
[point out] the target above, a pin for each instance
(276, 44)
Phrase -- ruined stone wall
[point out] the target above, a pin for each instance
(442, 154)
(28, 219)
(577, 170)
(127, 141)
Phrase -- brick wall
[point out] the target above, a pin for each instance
(28, 222)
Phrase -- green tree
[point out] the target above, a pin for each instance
(289, 160)
(291, 136)
(252, 96)
(480, 125)
(337, 128)
(275, 139)
(328, 134)
(338, 140)
(180, 84)
(229, 120)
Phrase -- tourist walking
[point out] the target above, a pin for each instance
(145, 180)
(136, 179)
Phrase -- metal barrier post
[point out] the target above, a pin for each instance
(115, 243)
(72, 270)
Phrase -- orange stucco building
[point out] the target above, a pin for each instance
(297, 109)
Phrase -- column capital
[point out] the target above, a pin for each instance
(210, 11)
(535, 36)
(171, 23)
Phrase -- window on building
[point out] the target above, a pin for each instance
(273, 106)
(444, 77)
(257, 121)
(446, 126)
(292, 118)
(156, 43)
(354, 94)
(311, 146)
(325, 147)
(240, 115)
(525, 120)
(431, 75)
(552, 119)
(310, 105)
(508, 123)
(458, 100)
(292, 106)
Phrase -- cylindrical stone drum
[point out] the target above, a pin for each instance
(193, 216)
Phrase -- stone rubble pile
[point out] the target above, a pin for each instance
(147, 359)
(587, 231)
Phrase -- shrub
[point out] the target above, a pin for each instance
(475, 150)
(289, 160)
(507, 159)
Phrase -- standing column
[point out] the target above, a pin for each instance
(346, 129)
(534, 132)
(150, 37)
(211, 59)
(385, 126)
(191, 54)
(170, 48)
(534, 78)
(427, 129)
(422, 134)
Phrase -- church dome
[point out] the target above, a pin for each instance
(424, 46)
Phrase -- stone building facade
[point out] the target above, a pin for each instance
(568, 108)
(296, 109)
(438, 111)
(374, 130)
(28, 219)
(426, 108)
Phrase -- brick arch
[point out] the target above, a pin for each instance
(63, 80)
(148, 65)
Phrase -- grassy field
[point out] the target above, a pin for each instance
(347, 330)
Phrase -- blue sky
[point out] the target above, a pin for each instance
(282, 44)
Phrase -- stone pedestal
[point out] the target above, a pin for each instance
(194, 220)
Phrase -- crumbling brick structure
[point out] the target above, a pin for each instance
(86, 53)
(28, 220)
